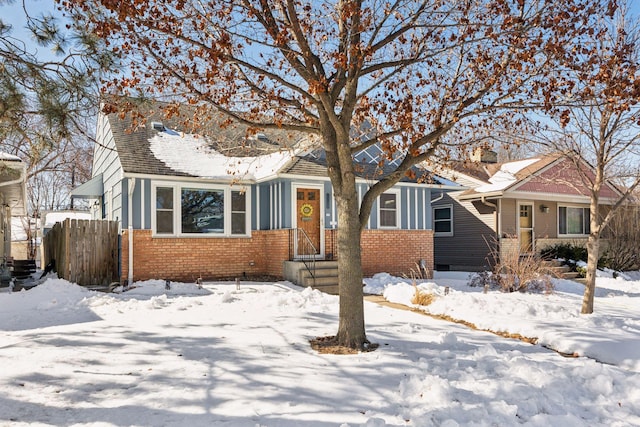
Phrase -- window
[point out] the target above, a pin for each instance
(199, 211)
(573, 221)
(238, 213)
(443, 220)
(388, 210)
(164, 210)
(202, 211)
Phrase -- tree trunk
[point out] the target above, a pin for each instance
(593, 253)
(351, 332)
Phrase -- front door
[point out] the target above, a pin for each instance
(308, 219)
(525, 226)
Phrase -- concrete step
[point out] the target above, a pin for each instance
(328, 289)
(560, 270)
(321, 272)
(324, 277)
(320, 281)
(570, 275)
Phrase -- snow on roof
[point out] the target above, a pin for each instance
(506, 176)
(191, 154)
(52, 217)
(7, 156)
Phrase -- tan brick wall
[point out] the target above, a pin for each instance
(185, 259)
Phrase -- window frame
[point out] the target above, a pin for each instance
(178, 187)
(585, 221)
(396, 194)
(450, 221)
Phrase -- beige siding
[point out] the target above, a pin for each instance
(545, 214)
(508, 217)
(546, 220)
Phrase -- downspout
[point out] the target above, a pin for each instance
(497, 217)
(440, 197)
(132, 186)
(494, 206)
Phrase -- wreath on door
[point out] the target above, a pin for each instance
(306, 210)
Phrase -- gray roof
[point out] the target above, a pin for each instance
(133, 146)
(132, 139)
(314, 164)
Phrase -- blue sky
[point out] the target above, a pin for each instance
(11, 12)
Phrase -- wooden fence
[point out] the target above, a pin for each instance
(84, 251)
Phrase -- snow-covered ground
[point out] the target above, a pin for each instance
(222, 356)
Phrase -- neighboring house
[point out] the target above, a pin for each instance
(24, 230)
(523, 205)
(12, 202)
(186, 210)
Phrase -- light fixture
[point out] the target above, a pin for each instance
(544, 209)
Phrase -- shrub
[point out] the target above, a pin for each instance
(567, 251)
(420, 272)
(623, 238)
(571, 253)
(515, 272)
(421, 297)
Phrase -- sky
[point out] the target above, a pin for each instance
(227, 356)
(11, 11)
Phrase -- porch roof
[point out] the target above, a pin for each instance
(91, 189)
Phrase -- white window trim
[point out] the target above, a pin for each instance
(558, 221)
(294, 208)
(396, 192)
(177, 209)
(433, 216)
(533, 223)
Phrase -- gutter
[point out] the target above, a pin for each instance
(132, 187)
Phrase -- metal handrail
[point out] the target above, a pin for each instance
(307, 254)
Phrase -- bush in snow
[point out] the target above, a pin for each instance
(421, 297)
(513, 272)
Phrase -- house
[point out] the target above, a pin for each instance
(229, 205)
(13, 202)
(523, 205)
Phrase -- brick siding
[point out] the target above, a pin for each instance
(396, 251)
(185, 259)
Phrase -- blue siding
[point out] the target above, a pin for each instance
(123, 204)
(137, 203)
(147, 203)
(254, 207)
(285, 202)
(272, 209)
(328, 205)
(265, 219)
